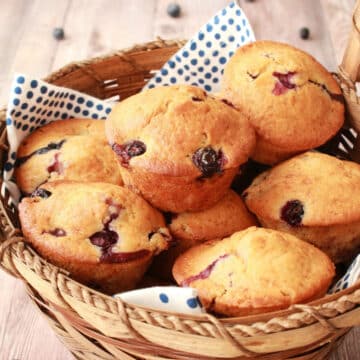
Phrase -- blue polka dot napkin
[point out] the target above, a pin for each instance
(202, 59)
(34, 103)
(166, 298)
(351, 276)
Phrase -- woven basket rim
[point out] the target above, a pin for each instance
(13, 250)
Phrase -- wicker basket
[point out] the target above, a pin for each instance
(96, 326)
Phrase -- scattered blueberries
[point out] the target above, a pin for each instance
(304, 33)
(58, 33)
(208, 161)
(292, 212)
(174, 10)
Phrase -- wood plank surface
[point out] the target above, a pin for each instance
(95, 27)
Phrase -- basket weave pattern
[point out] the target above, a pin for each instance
(96, 326)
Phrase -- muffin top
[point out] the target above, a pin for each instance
(179, 131)
(73, 149)
(291, 100)
(223, 219)
(244, 274)
(92, 222)
(311, 189)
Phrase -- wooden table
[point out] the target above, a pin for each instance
(95, 27)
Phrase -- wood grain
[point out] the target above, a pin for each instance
(282, 21)
(102, 26)
(94, 27)
(12, 15)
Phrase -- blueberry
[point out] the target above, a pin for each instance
(208, 161)
(57, 232)
(173, 10)
(304, 33)
(58, 33)
(104, 238)
(128, 150)
(228, 103)
(41, 193)
(292, 212)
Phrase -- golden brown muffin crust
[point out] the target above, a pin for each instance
(223, 219)
(324, 187)
(70, 220)
(292, 101)
(192, 228)
(79, 152)
(244, 274)
(173, 122)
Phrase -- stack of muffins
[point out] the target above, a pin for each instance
(156, 188)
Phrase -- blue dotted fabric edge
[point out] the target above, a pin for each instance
(202, 60)
(351, 276)
(34, 103)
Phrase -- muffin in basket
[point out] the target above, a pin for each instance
(253, 271)
(315, 197)
(291, 100)
(178, 147)
(73, 149)
(103, 234)
(192, 228)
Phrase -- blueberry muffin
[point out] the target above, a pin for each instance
(178, 147)
(192, 228)
(244, 274)
(314, 197)
(103, 234)
(291, 100)
(74, 149)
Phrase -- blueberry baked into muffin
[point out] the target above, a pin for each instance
(253, 271)
(178, 147)
(103, 234)
(73, 149)
(315, 197)
(192, 228)
(292, 101)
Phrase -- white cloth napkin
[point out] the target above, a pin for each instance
(167, 298)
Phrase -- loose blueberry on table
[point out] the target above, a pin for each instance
(304, 33)
(173, 10)
(58, 33)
